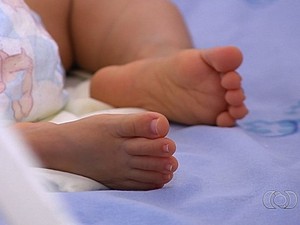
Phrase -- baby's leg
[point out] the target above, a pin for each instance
(120, 151)
(190, 87)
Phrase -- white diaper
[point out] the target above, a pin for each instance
(31, 75)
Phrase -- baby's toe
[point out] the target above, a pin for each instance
(231, 80)
(238, 112)
(235, 97)
(224, 119)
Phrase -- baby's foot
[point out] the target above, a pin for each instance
(191, 87)
(119, 151)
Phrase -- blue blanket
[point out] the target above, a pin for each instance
(249, 174)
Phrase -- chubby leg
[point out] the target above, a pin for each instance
(120, 151)
(190, 87)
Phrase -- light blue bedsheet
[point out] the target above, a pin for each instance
(244, 175)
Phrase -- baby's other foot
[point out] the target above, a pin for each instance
(191, 87)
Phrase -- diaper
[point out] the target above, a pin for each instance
(31, 74)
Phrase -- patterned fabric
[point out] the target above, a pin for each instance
(31, 75)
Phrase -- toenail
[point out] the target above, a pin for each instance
(166, 148)
(153, 126)
(169, 167)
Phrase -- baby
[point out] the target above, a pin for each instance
(141, 55)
